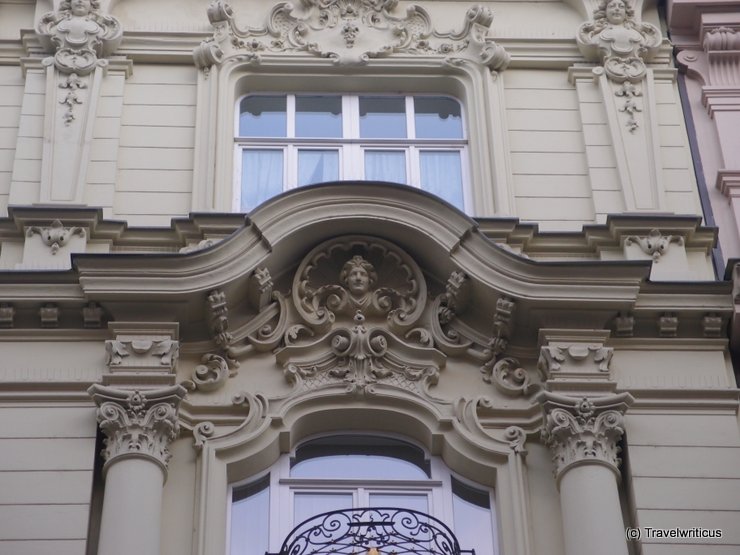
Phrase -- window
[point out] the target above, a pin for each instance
(290, 140)
(345, 472)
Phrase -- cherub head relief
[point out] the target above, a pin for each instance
(359, 277)
(79, 8)
(616, 12)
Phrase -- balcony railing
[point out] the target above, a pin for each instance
(376, 531)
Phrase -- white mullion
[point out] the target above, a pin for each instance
(290, 167)
(410, 121)
(353, 116)
(290, 116)
(236, 201)
(415, 163)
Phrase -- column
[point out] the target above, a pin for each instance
(139, 426)
(583, 422)
(583, 435)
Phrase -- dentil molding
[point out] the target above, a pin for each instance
(583, 430)
(138, 424)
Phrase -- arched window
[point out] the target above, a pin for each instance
(357, 471)
(290, 140)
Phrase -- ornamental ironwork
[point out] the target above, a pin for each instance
(377, 531)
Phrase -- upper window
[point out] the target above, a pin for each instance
(290, 140)
(351, 472)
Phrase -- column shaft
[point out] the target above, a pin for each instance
(132, 508)
(592, 516)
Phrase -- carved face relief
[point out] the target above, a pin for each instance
(341, 277)
(80, 8)
(616, 12)
(356, 276)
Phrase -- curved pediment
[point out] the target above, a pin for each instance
(440, 238)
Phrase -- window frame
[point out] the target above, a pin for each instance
(351, 146)
(438, 488)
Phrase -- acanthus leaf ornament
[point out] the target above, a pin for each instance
(584, 430)
(349, 32)
(358, 358)
(138, 423)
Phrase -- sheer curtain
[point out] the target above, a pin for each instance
(317, 166)
(385, 165)
(441, 174)
(262, 176)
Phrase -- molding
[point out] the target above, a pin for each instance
(138, 424)
(584, 430)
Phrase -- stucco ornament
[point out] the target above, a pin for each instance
(654, 244)
(359, 357)
(79, 35)
(350, 32)
(584, 430)
(56, 235)
(618, 41)
(340, 278)
(357, 298)
(138, 423)
(141, 351)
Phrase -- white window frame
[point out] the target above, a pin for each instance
(282, 488)
(351, 146)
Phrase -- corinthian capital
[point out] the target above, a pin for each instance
(584, 430)
(138, 423)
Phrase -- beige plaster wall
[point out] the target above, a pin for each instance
(46, 472)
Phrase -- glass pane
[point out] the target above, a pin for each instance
(317, 166)
(306, 505)
(473, 519)
(441, 174)
(415, 502)
(318, 116)
(358, 467)
(383, 117)
(250, 522)
(263, 116)
(262, 176)
(437, 117)
(385, 165)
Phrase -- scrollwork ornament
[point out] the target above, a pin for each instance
(508, 376)
(137, 423)
(212, 374)
(349, 33)
(516, 437)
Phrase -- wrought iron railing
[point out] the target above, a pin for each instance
(376, 531)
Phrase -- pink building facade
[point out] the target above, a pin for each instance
(706, 36)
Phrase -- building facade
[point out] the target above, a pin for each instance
(433, 265)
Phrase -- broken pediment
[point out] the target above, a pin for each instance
(350, 32)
